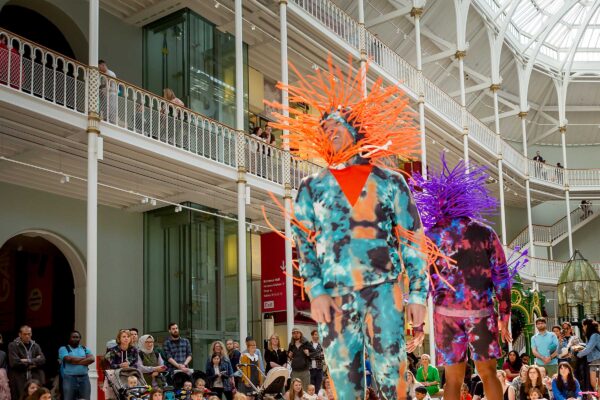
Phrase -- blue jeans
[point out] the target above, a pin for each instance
(76, 387)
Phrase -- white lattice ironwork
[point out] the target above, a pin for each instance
(36, 71)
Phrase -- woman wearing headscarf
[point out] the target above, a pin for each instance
(150, 362)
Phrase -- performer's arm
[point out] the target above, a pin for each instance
(415, 262)
(310, 269)
(500, 277)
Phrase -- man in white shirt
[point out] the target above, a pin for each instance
(104, 96)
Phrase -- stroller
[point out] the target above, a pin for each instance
(273, 384)
(117, 382)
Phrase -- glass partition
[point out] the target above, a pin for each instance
(190, 277)
(188, 54)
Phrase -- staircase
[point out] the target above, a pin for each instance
(549, 236)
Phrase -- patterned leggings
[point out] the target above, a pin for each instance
(372, 319)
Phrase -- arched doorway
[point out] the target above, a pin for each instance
(38, 289)
(45, 23)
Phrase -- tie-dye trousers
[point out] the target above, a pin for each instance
(372, 320)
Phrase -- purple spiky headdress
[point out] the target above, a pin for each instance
(449, 194)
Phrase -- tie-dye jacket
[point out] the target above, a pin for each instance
(353, 247)
(480, 270)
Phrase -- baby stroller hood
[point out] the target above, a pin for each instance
(275, 380)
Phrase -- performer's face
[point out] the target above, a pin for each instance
(338, 134)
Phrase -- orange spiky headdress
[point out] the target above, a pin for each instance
(380, 122)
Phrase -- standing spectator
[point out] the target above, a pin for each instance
(316, 361)
(428, 375)
(565, 386)
(275, 356)
(4, 386)
(108, 93)
(135, 336)
(544, 346)
(586, 209)
(123, 355)
(559, 173)
(538, 165)
(217, 347)
(25, 360)
(178, 351)
(218, 375)
(150, 362)
(251, 365)
(75, 359)
(512, 365)
(534, 380)
(592, 350)
(233, 354)
(569, 340)
(299, 355)
(169, 94)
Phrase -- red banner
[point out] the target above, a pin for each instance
(272, 285)
(7, 293)
(40, 279)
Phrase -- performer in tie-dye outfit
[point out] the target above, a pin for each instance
(451, 205)
(356, 226)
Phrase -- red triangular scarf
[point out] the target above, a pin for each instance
(352, 180)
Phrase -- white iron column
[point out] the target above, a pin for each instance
(460, 55)
(241, 182)
(523, 116)
(416, 14)
(494, 88)
(563, 133)
(93, 133)
(289, 269)
(363, 45)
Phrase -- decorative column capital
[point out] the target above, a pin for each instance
(93, 124)
(562, 129)
(460, 54)
(522, 114)
(416, 12)
(494, 87)
(283, 2)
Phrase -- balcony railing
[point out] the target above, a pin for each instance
(41, 73)
(400, 70)
(540, 269)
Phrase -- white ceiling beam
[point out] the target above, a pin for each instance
(389, 16)
(439, 56)
(544, 135)
(485, 85)
(487, 120)
(587, 108)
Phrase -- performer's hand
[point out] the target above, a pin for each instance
(504, 331)
(320, 308)
(415, 314)
(415, 342)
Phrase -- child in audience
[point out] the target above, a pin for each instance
(536, 394)
(310, 393)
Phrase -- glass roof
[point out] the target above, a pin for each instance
(561, 35)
